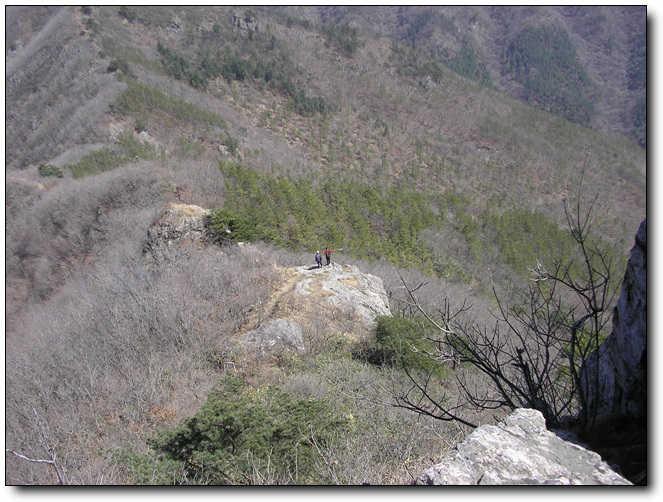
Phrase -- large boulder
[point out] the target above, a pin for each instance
(347, 288)
(178, 223)
(622, 375)
(520, 451)
(277, 334)
(312, 305)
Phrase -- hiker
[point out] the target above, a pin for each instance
(327, 254)
(318, 259)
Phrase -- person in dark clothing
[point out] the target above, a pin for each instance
(318, 259)
(327, 254)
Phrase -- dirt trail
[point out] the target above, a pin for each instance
(289, 281)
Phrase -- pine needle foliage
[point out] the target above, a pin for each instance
(239, 436)
(367, 222)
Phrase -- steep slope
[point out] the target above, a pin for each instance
(89, 90)
(608, 41)
(521, 451)
(57, 90)
(115, 114)
(383, 123)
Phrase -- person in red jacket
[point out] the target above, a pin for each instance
(327, 254)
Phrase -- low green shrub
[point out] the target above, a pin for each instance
(118, 65)
(127, 150)
(241, 435)
(401, 342)
(48, 170)
(139, 96)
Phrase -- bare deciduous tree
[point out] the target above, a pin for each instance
(532, 355)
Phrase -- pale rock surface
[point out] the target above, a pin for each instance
(520, 451)
(314, 304)
(244, 25)
(348, 289)
(277, 334)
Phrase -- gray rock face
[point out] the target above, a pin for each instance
(314, 304)
(348, 289)
(180, 222)
(520, 451)
(622, 386)
(243, 25)
(276, 335)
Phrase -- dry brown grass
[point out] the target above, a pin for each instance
(188, 210)
(101, 348)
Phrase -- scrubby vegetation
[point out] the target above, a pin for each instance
(268, 65)
(140, 99)
(127, 149)
(48, 170)
(238, 435)
(369, 221)
(396, 224)
(401, 342)
(140, 346)
(299, 134)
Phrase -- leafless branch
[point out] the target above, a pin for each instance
(41, 461)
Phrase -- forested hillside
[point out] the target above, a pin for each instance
(586, 63)
(398, 138)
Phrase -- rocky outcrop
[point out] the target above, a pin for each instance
(180, 222)
(622, 378)
(310, 305)
(346, 288)
(276, 335)
(314, 304)
(244, 23)
(520, 451)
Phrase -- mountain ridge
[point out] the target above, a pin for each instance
(456, 136)
(293, 131)
(598, 33)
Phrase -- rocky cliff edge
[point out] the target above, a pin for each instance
(520, 451)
